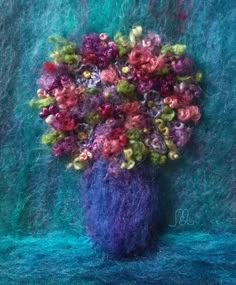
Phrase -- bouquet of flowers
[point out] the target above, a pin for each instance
(115, 107)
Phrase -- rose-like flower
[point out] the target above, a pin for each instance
(195, 113)
(109, 75)
(135, 121)
(139, 56)
(68, 96)
(88, 75)
(156, 63)
(63, 122)
(178, 100)
(111, 148)
(153, 103)
(132, 107)
(144, 61)
(190, 113)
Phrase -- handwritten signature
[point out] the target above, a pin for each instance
(182, 218)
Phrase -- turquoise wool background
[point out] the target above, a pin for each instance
(42, 237)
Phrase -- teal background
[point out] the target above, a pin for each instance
(41, 230)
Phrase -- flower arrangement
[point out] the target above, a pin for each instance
(125, 100)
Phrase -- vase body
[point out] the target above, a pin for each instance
(121, 210)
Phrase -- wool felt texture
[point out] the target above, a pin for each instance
(39, 197)
(122, 212)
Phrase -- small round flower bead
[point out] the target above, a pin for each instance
(49, 120)
(41, 93)
(103, 36)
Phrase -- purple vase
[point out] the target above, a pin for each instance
(122, 210)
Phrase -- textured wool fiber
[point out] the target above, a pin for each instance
(39, 197)
(122, 211)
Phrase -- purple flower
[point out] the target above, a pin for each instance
(151, 41)
(46, 111)
(165, 84)
(179, 133)
(124, 69)
(155, 142)
(191, 89)
(48, 81)
(64, 146)
(153, 103)
(88, 75)
(90, 43)
(183, 65)
(104, 51)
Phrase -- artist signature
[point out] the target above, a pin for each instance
(182, 218)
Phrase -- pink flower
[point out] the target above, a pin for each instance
(184, 114)
(139, 56)
(63, 122)
(145, 62)
(68, 96)
(85, 155)
(111, 148)
(135, 121)
(190, 113)
(109, 75)
(103, 37)
(195, 113)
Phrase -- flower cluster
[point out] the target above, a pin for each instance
(125, 100)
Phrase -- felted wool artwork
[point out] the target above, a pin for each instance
(114, 106)
(122, 169)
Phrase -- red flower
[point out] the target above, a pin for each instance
(105, 110)
(49, 66)
(90, 58)
(178, 100)
(139, 56)
(132, 108)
